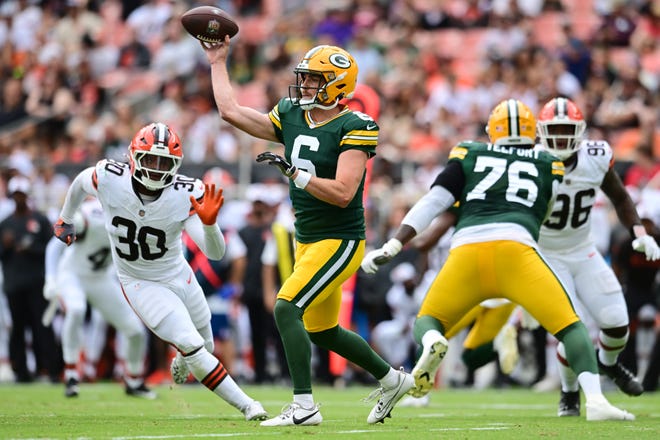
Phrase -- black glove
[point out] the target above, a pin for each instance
(65, 232)
(274, 159)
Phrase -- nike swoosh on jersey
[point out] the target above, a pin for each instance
(301, 420)
(371, 126)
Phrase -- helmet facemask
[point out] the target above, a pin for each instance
(561, 138)
(155, 171)
(155, 156)
(561, 127)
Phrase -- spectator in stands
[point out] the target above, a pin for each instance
(134, 54)
(149, 20)
(623, 101)
(12, 103)
(337, 26)
(178, 54)
(52, 101)
(49, 188)
(618, 25)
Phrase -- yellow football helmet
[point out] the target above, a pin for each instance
(338, 70)
(511, 122)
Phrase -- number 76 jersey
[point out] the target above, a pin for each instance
(145, 237)
(569, 224)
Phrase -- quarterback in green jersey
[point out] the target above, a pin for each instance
(505, 190)
(326, 148)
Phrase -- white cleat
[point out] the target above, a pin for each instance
(427, 366)
(600, 409)
(295, 415)
(506, 346)
(389, 397)
(179, 369)
(255, 411)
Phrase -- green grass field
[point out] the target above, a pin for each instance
(191, 412)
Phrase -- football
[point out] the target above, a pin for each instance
(209, 24)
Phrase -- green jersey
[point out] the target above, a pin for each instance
(315, 148)
(506, 184)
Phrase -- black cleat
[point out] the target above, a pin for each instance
(71, 388)
(141, 391)
(622, 377)
(569, 404)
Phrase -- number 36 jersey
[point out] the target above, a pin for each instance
(569, 224)
(145, 237)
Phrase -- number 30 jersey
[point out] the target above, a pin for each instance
(569, 225)
(145, 237)
(315, 148)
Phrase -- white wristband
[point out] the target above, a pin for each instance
(302, 179)
(392, 247)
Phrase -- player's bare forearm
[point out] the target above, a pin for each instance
(429, 237)
(247, 119)
(623, 204)
(341, 190)
(405, 233)
(331, 191)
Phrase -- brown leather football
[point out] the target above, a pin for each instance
(209, 24)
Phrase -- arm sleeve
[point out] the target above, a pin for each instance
(54, 251)
(79, 189)
(434, 203)
(208, 238)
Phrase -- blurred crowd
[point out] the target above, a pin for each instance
(78, 78)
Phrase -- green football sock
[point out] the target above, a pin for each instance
(580, 352)
(424, 324)
(297, 345)
(480, 356)
(353, 347)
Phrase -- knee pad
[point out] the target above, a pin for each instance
(615, 315)
(189, 343)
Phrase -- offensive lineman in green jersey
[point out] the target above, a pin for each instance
(505, 190)
(326, 148)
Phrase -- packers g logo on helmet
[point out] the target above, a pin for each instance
(340, 60)
(338, 71)
(511, 122)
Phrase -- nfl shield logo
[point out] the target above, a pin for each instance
(213, 27)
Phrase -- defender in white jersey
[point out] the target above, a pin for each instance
(146, 206)
(567, 245)
(84, 273)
